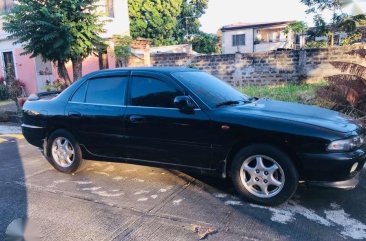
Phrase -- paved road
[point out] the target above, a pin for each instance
(108, 201)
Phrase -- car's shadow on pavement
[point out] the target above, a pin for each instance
(13, 197)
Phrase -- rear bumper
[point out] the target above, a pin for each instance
(34, 134)
(333, 169)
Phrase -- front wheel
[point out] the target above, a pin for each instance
(264, 174)
(63, 151)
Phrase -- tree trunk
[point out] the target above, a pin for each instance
(77, 68)
(332, 39)
(62, 72)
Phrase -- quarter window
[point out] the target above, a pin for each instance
(108, 91)
(152, 92)
(79, 95)
(239, 40)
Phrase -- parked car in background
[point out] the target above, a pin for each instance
(189, 120)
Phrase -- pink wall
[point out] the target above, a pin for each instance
(90, 64)
(25, 70)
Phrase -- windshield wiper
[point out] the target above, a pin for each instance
(229, 102)
(236, 102)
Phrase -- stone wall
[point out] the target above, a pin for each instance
(270, 68)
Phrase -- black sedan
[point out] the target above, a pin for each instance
(189, 120)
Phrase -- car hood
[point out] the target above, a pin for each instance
(307, 114)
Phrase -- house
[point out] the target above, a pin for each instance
(35, 73)
(255, 37)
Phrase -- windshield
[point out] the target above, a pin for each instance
(210, 89)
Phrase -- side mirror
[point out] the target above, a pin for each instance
(183, 103)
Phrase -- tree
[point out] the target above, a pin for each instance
(56, 30)
(205, 43)
(122, 50)
(154, 19)
(188, 20)
(339, 22)
(297, 27)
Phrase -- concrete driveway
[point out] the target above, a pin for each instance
(111, 201)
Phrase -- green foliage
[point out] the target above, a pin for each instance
(352, 38)
(339, 22)
(122, 46)
(205, 43)
(122, 50)
(57, 30)
(188, 19)
(316, 6)
(154, 19)
(296, 27)
(316, 44)
(4, 95)
(302, 93)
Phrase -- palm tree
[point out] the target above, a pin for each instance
(347, 91)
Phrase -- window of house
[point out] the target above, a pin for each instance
(152, 92)
(107, 91)
(6, 6)
(9, 66)
(238, 39)
(109, 8)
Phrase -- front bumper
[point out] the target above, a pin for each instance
(333, 169)
(347, 184)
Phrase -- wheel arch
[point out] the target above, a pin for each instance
(245, 143)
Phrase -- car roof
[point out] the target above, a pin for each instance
(151, 69)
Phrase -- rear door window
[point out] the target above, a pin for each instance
(107, 91)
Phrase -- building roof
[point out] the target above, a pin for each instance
(254, 25)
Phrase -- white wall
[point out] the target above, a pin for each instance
(120, 24)
(227, 41)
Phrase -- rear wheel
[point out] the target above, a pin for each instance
(63, 151)
(264, 174)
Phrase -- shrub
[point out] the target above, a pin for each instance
(316, 44)
(347, 92)
(4, 95)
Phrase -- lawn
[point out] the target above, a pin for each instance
(302, 93)
(5, 102)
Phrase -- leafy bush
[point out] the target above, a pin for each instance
(347, 92)
(4, 95)
(316, 44)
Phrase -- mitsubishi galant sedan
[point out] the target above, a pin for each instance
(186, 119)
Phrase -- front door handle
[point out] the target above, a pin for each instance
(137, 119)
(74, 114)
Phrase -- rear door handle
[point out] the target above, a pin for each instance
(74, 114)
(137, 119)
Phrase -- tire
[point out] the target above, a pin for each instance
(70, 158)
(277, 174)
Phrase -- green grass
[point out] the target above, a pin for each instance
(302, 93)
(5, 102)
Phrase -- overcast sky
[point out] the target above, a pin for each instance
(224, 12)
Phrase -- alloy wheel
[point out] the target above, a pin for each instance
(63, 152)
(262, 176)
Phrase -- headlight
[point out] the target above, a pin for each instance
(346, 144)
